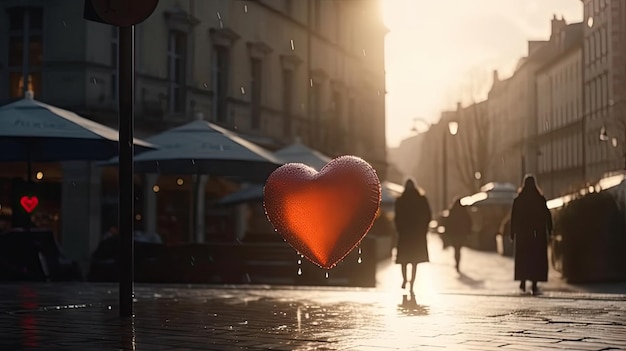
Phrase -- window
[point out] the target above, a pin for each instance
(317, 14)
(289, 7)
(256, 66)
(287, 101)
(220, 82)
(114, 61)
(177, 47)
(351, 116)
(597, 40)
(316, 101)
(592, 47)
(25, 27)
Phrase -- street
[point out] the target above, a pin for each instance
(480, 309)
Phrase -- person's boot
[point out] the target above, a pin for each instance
(522, 285)
(404, 284)
(535, 288)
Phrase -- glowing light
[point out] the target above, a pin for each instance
(156, 188)
(39, 175)
(453, 127)
(180, 181)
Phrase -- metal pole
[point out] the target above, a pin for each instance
(445, 169)
(26, 52)
(126, 60)
(312, 126)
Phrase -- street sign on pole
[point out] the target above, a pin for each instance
(124, 14)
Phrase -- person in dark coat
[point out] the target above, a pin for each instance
(458, 226)
(531, 225)
(412, 216)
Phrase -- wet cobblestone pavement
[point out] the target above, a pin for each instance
(80, 317)
(479, 309)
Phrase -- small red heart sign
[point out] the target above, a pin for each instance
(326, 214)
(29, 203)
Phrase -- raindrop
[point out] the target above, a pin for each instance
(219, 16)
(221, 24)
(359, 260)
(299, 261)
(94, 81)
(205, 85)
(243, 91)
(292, 45)
(64, 24)
(193, 261)
(74, 184)
(311, 82)
(364, 53)
(478, 175)
(299, 271)
(614, 142)
(590, 22)
(326, 275)
(245, 8)
(109, 307)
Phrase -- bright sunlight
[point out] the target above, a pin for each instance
(436, 49)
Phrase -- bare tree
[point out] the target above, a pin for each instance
(473, 150)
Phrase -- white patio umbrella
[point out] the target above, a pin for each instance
(200, 147)
(33, 131)
(203, 148)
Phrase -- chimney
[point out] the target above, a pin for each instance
(458, 107)
(496, 78)
(557, 25)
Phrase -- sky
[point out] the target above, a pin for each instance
(439, 52)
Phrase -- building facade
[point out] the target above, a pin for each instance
(604, 89)
(560, 168)
(272, 70)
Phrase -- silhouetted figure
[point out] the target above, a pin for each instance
(531, 224)
(458, 227)
(412, 216)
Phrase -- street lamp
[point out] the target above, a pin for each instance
(604, 137)
(453, 128)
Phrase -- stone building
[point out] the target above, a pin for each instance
(559, 115)
(604, 85)
(273, 70)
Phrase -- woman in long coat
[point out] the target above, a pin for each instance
(458, 226)
(412, 216)
(531, 225)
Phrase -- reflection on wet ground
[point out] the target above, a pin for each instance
(74, 316)
(410, 307)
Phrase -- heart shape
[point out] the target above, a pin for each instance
(29, 203)
(326, 214)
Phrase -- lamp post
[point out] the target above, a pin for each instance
(453, 128)
(604, 137)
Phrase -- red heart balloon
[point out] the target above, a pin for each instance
(29, 203)
(323, 215)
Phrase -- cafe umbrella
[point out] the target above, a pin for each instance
(199, 148)
(32, 131)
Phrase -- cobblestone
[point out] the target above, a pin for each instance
(447, 312)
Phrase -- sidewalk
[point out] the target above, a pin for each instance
(481, 273)
(480, 310)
